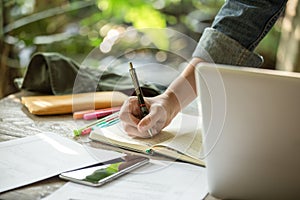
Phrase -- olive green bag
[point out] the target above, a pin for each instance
(53, 73)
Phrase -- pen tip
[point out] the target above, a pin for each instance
(130, 65)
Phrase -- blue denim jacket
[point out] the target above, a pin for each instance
(237, 29)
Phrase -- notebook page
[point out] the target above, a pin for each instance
(115, 133)
(187, 138)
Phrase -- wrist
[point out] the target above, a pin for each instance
(172, 102)
(195, 60)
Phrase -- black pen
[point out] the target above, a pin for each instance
(139, 94)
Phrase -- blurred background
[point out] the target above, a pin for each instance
(74, 28)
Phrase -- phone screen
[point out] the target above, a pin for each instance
(98, 175)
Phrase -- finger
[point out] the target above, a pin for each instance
(130, 105)
(156, 116)
(129, 119)
(128, 112)
(132, 131)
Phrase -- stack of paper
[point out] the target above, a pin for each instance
(34, 158)
(157, 180)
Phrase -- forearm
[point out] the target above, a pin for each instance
(231, 40)
(182, 90)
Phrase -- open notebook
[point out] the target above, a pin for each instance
(179, 140)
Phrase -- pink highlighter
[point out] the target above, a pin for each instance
(100, 113)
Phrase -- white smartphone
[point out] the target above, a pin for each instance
(101, 174)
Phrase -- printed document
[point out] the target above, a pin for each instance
(34, 158)
(159, 180)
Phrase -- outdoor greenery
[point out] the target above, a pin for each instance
(75, 27)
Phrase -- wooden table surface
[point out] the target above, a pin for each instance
(17, 122)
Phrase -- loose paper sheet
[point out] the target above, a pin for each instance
(34, 158)
(159, 180)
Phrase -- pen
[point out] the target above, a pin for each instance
(102, 124)
(103, 121)
(100, 113)
(107, 121)
(94, 114)
(79, 131)
(79, 114)
(139, 93)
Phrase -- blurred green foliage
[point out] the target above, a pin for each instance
(75, 27)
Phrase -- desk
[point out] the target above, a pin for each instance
(16, 122)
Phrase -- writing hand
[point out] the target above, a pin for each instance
(160, 115)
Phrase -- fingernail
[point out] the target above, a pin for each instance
(142, 128)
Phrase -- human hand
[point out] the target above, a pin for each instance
(162, 108)
(161, 113)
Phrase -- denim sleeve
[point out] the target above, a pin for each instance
(237, 29)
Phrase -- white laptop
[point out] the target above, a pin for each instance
(251, 130)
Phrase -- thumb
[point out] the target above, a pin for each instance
(154, 121)
(145, 124)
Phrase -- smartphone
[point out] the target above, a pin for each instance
(101, 174)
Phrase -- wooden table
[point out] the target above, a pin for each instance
(17, 122)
